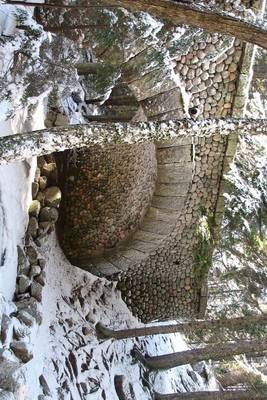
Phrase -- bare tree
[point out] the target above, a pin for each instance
(185, 327)
(210, 352)
(21, 146)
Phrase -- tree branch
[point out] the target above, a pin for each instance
(21, 146)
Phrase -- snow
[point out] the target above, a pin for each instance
(79, 301)
(16, 178)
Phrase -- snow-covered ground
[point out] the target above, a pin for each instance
(69, 359)
(15, 179)
(76, 365)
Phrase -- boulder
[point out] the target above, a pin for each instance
(6, 330)
(24, 283)
(36, 291)
(34, 208)
(52, 196)
(22, 350)
(32, 254)
(32, 307)
(32, 227)
(48, 214)
(11, 374)
(23, 262)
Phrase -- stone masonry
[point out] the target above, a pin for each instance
(156, 259)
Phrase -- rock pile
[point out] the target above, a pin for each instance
(21, 318)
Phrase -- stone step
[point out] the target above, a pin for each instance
(177, 154)
(171, 189)
(104, 267)
(155, 226)
(122, 263)
(147, 85)
(174, 173)
(148, 237)
(169, 202)
(168, 115)
(156, 214)
(180, 141)
(133, 255)
(145, 247)
(163, 102)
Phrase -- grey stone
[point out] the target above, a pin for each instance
(52, 196)
(41, 278)
(6, 330)
(32, 227)
(22, 350)
(32, 307)
(21, 331)
(23, 262)
(44, 384)
(32, 254)
(36, 291)
(24, 283)
(26, 318)
(11, 375)
(41, 262)
(48, 214)
(35, 270)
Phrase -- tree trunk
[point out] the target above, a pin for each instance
(211, 352)
(88, 68)
(66, 28)
(212, 20)
(186, 327)
(21, 146)
(53, 5)
(183, 13)
(227, 395)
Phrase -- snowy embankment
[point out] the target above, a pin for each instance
(15, 179)
(68, 361)
(78, 366)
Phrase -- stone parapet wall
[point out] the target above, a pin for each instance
(106, 193)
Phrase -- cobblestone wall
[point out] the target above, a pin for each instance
(106, 193)
(159, 269)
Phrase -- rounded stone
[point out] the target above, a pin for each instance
(43, 182)
(24, 283)
(32, 227)
(34, 208)
(49, 214)
(52, 196)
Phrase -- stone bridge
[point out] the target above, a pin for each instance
(148, 215)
